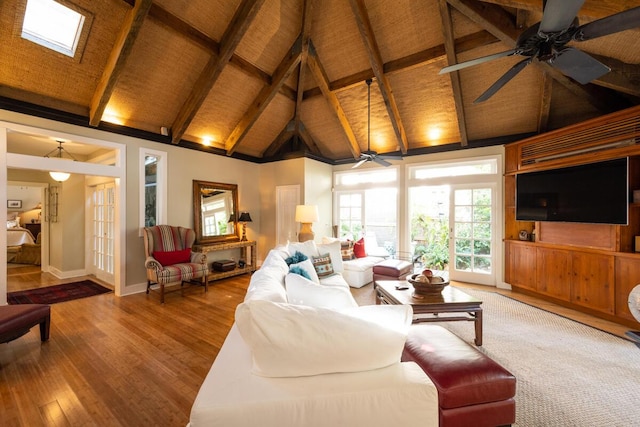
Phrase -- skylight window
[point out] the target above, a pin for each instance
(52, 25)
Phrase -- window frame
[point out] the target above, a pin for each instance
(161, 186)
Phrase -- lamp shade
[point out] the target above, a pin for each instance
(232, 218)
(244, 217)
(307, 213)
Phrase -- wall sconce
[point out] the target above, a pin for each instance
(244, 219)
(60, 176)
(305, 215)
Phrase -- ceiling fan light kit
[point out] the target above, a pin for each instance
(546, 40)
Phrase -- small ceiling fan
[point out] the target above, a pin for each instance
(546, 40)
(369, 155)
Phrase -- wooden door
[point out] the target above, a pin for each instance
(627, 278)
(553, 270)
(521, 265)
(593, 281)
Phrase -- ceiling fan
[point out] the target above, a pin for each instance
(546, 40)
(369, 155)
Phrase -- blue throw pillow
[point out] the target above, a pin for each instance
(302, 272)
(296, 258)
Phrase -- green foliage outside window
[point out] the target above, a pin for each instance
(432, 235)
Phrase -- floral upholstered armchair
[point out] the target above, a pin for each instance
(169, 258)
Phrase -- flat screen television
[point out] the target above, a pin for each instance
(592, 193)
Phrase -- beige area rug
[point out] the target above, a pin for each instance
(568, 374)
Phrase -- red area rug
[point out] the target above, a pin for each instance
(57, 293)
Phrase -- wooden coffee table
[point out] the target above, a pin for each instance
(450, 305)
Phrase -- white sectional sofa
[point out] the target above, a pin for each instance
(302, 353)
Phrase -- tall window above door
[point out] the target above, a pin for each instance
(153, 191)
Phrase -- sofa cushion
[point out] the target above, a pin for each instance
(290, 340)
(323, 265)
(333, 248)
(359, 249)
(307, 267)
(308, 248)
(295, 258)
(267, 283)
(303, 291)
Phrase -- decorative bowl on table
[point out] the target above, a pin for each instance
(425, 285)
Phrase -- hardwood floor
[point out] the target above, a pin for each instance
(127, 361)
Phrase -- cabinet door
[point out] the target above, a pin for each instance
(553, 269)
(522, 266)
(627, 278)
(592, 284)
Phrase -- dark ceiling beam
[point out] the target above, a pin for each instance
(500, 23)
(377, 65)
(545, 104)
(427, 56)
(240, 23)
(285, 134)
(286, 67)
(449, 46)
(306, 32)
(308, 140)
(117, 59)
(623, 77)
(323, 82)
(169, 20)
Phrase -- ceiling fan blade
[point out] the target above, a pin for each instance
(390, 157)
(360, 162)
(477, 61)
(380, 161)
(503, 80)
(578, 65)
(559, 14)
(615, 23)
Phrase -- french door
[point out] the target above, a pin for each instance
(102, 244)
(472, 246)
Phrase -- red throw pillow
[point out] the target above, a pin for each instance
(358, 249)
(173, 257)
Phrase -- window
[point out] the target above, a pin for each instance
(367, 206)
(52, 25)
(153, 196)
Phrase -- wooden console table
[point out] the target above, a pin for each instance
(247, 253)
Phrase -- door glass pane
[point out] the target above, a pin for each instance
(150, 190)
(429, 216)
(472, 225)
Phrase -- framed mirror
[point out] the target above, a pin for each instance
(215, 209)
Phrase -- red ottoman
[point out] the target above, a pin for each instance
(17, 320)
(392, 269)
(473, 389)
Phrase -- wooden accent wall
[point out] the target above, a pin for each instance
(589, 267)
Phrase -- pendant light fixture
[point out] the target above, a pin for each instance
(59, 152)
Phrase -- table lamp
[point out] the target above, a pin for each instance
(244, 218)
(305, 215)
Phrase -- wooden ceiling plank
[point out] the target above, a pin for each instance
(117, 60)
(377, 65)
(449, 44)
(426, 56)
(240, 23)
(545, 104)
(169, 20)
(323, 82)
(282, 73)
